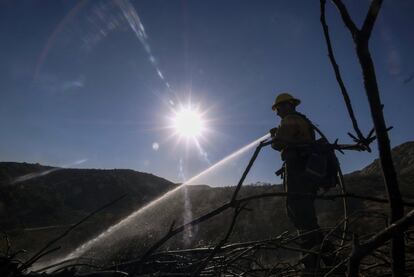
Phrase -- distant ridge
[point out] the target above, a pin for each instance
(34, 210)
(403, 156)
(53, 196)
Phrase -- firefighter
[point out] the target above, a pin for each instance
(295, 131)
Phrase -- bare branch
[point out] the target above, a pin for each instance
(346, 18)
(39, 254)
(361, 250)
(249, 166)
(371, 17)
(235, 203)
(324, 197)
(237, 212)
(40, 270)
(337, 71)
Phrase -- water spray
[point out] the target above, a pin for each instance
(260, 143)
(82, 249)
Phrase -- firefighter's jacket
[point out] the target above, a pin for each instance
(293, 130)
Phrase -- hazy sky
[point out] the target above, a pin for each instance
(92, 84)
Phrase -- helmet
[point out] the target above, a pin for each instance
(285, 97)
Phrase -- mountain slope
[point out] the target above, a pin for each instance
(403, 156)
(63, 196)
(35, 196)
(266, 217)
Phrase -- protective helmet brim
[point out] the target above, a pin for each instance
(294, 101)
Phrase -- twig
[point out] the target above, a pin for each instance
(371, 17)
(58, 264)
(237, 211)
(246, 171)
(362, 250)
(75, 265)
(346, 17)
(337, 71)
(174, 231)
(47, 252)
(344, 261)
(324, 197)
(37, 255)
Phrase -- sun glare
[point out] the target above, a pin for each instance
(188, 123)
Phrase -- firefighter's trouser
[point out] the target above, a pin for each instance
(300, 205)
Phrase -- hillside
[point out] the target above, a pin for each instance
(266, 217)
(64, 196)
(38, 202)
(403, 156)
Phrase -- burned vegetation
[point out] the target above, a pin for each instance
(367, 224)
(252, 236)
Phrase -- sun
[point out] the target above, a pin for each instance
(189, 125)
(188, 122)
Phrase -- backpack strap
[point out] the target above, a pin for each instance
(317, 130)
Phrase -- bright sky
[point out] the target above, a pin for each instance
(99, 84)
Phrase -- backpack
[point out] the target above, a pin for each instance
(322, 165)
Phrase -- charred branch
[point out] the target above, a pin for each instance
(361, 39)
(337, 71)
(41, 252)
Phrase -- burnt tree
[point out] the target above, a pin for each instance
(361, 37)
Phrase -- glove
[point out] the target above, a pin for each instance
(273, 132)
